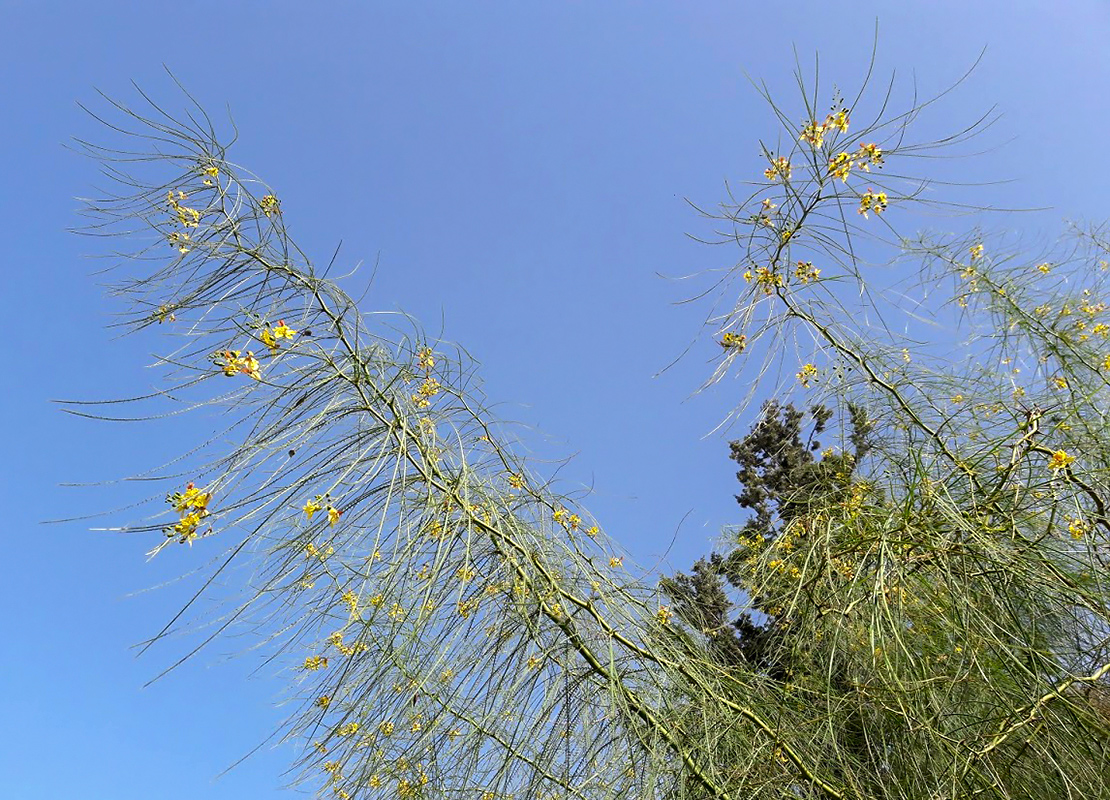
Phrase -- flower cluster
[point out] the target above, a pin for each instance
(780, 169)
(872, 201)
(428, 389)
(210, 174)
(180, 240)
(314, 663)
(192, 506)
(813, 132)
(271, 337)
(233, 363)
(842, 164)
(1060, 460)
(1078, 527)
(270, 205)
(734, 341)
(807, 374)
(319, 503)
(183, 215)
(806, 272)
(765, 278)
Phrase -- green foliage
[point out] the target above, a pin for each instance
(929, 601)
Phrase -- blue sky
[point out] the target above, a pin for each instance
(520, 173)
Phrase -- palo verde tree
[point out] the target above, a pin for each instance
(931, 598)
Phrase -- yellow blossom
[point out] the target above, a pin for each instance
(516, 481)
(734, 341)
(616, 561)
(1060, 460)
(780, 170)
(270, 205)
(314, 663)
(1045, 267)
(664, 615)
(767, 279)
(867, 155)
(806, 272)
(351, 599)
(872, 201)
(323, 701)
(311, 507)
(593, 530)
(807, 374)
(534, 661)
(840, 166)
(976, 251)
(333, 515)
(1078, 527)
(813, 134)
(838, 120)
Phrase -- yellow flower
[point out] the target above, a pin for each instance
(516, 481)
(806, 374)
(806, 272)
(186, 528)
(316, 662)
(425, 358)
(734, 341)
(1060, 460)
(813, 134)
(1078, 527)
(323, 701)
(616, 561)
(839, 120)
(872, 201)
(350, 729)
(664, 614)
(269, 205)
(867, 155)
(311, 507)
(780, 170)
(283, 331)
(534, 661)
(267, 338)
(333, 515)
(976, 251)
(351, 599)
(374, 782)
(1045, 267)
(840, 166)
(767, 279)
(593, 530)
(386, 728)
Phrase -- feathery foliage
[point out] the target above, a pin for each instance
(461, 629)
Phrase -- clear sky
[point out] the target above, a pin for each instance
(520, 172)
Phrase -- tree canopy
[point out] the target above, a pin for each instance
(916, 607)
